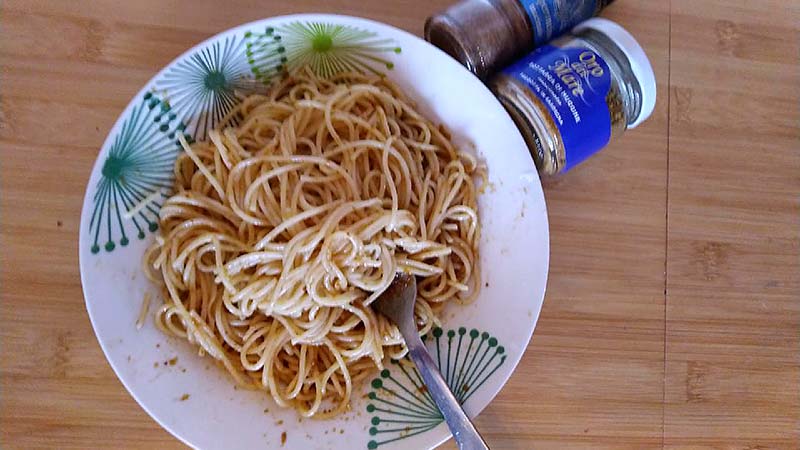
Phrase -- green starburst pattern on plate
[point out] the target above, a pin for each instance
(401, 405)
(136, 175)
(201, 86)
(265, 54)
(332, 48)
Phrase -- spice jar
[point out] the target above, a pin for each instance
(572, 96)
(486, 35)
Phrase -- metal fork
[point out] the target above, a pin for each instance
(397, 304)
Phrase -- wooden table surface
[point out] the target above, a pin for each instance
(672, 315)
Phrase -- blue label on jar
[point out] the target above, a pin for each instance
(572, 84)
(550, 18)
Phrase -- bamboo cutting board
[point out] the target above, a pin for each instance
(672, 317)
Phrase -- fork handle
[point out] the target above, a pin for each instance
(464, 432)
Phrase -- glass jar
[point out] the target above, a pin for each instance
(485, 35)
(572, 96)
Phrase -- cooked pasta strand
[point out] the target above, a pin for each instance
(282, 230)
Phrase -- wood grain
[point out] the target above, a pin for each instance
(672, 317)
(733, 286)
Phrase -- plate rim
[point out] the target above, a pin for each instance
(234, 31)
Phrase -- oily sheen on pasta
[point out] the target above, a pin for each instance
(294, 216)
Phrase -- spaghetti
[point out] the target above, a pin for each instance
(295, 216)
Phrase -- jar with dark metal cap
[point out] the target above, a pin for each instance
(486, 35)
(572, 96)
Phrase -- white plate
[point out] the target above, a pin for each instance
(481, 343)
